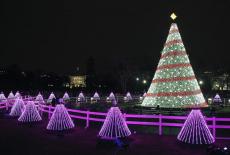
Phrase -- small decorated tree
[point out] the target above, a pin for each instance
(128, 97)
(96, 96)
(66, 97)
(60, 119)
(114, 125)
(17, 95)
(18, 108)
(217, 99)
(81, 97)
(2, 97)
(30, 114)
(111, 97)
(51, 97)
(39, 99)
(10, 98)
(195, 129)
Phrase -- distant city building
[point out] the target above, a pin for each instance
(77, 81)
(217, 80)
(221, 82)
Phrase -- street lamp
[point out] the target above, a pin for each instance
(144, 81)
(137, 79)
(201, 82)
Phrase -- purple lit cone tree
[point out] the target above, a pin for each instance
(217, 99)
(2, 97)
(195, 129)
(30, 114)
(18, 108)
(114, 125)
(60, 119)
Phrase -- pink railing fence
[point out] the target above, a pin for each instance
(156, 120)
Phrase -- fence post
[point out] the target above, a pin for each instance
(49, 115)
(124, 116)
(160, 125)
(87, 119)
(214, 127)
(7, 105)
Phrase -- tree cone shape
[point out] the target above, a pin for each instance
(195, 130)
(114, 125)
(18, 108)
(30, 114)
(60, 119)
(174, 84)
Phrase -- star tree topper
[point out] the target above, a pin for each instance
(173, 16)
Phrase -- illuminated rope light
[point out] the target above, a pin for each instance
(60, 119)
(174, 79)
(114, 125)
(195, 130)
(30, 114)
(18, 108)
(173, 53)
(185, 93)
(170, 66)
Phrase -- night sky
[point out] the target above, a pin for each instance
(58, 36)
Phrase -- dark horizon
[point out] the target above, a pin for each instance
(60, 36)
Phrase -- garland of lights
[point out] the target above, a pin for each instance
(174, 83)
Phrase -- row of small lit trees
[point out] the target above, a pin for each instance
(194, 130)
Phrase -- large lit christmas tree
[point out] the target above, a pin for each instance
(174, 84)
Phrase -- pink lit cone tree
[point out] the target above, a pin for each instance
(195, 129)
(114, 125)
(30, 114)
(60, 119)
(2, 97)
(18, 108)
